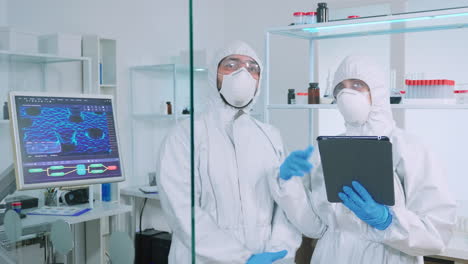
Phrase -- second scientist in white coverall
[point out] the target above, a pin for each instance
(361, 231)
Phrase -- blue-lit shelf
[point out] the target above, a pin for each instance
(394, 106)
(379, 25)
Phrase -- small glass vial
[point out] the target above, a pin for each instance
(322, 13)
(311, 17)
(291, 96)
(169, 108)
(298, 18)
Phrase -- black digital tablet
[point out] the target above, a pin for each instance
(367, 160)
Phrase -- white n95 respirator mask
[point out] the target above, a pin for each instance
(354, 106)
(238, 88)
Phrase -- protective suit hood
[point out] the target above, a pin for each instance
(380, 121)
(214, 97)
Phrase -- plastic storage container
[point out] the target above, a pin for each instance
(16, 206)
(310, 17)
(461, 96)
(60, 44)
(18, 41)
(302, 98)
(299, 18)
(106, 192)
(430, 89)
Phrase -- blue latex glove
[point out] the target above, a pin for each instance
(363, 205)
(296, 164)
(267, 257)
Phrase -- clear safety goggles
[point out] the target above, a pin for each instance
(354, 84)
(229, 65)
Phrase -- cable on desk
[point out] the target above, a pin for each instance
(141, 213)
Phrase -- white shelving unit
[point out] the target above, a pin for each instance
(43, 60)
(9, 59)
(172, 73)
(37, 57)
(151, 87)
(444, 19)
(103, 69)
(103, 74)
(103, 53)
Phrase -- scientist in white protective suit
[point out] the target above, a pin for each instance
(360, 230)
(236, 219)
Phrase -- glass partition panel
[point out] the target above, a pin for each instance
(262, 189)
(94, 132)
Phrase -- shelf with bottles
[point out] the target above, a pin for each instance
(154, 86)
(155, 117)
(441, 19)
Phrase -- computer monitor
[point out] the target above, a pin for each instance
(62, 140)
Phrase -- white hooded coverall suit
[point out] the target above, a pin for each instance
(235, 215)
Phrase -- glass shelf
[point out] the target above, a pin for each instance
(394, 106)
(4, 122)
(379, 25)
(108, 85)
(37, 57)
(158, 117)
(168, 68)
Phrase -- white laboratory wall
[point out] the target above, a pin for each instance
(4, 140)
(441, 55)
(3, 13)
(147, 32)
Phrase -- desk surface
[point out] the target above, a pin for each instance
(135, 192)
(41, 223)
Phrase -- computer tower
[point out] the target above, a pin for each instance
(161, 244)
(152, 247)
